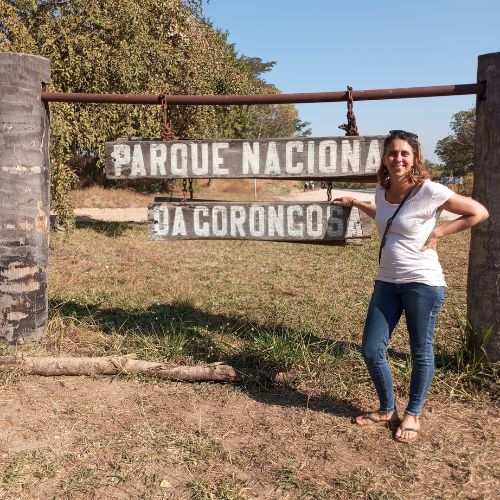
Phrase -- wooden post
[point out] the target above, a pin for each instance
(24, 197)
(483, 288)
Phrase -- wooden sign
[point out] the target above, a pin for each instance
(343, 157)
(299, 222)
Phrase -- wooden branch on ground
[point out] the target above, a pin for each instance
(130, 364)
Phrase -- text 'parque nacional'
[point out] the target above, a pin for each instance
(256, 221)
(280, 158)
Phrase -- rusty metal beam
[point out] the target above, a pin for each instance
(358, 95)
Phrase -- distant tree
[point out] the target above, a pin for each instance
(457, 150)
(269, 120)
(434, 169)
(256, 66)
(274, 121)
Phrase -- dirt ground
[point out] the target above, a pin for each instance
(125, 438)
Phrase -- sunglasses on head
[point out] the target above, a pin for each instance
(404, 133)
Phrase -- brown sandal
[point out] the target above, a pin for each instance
(399, 439)
(377, 422)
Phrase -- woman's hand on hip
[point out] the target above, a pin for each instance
(431, 241)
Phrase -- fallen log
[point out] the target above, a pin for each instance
(130, 364)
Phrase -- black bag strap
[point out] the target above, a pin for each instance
(389, 222)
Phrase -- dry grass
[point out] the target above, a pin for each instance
(227, 189)
(99, 197)
(233, 296)
(293, 307)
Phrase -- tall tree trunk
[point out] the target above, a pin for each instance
(483, 287)
(24, 197)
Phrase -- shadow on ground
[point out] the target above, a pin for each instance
(198, 330)
(111, 229)
(289, 397)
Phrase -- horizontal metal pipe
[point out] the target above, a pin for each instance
(358, 95)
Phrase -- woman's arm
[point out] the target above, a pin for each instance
(471, 211)
(348, 201)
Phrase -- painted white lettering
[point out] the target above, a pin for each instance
(237, 217)
(350, 156)
(196, 168)
(289, 166)
(272, 160)
(174, 156)
(200, 229)
(121, 156)
(256, 229)
(217, 161)
(294, 229)
(160, 217)
(310, 157)
(374, 157)
(276, 221)
(314, 221)
(179, 226)
(137, 162)
(158, 160)
(354, 228)
(251, 158)
(335, 228)
(327, 165)
(219, 227)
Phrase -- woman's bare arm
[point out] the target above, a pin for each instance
(471, 211)
(348, 201)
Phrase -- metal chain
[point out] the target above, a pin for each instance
(191, 192)
(184, 189)
(351, 128)
(329, 187)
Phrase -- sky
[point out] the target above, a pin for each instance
(323, 46)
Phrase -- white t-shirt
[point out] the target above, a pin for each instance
(401, 262)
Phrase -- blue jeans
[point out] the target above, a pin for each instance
(421, 304)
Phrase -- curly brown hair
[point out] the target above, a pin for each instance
(417, 174)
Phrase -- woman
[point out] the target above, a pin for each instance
(409, 278)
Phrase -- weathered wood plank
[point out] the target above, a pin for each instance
(302, 157)
(307, 222)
